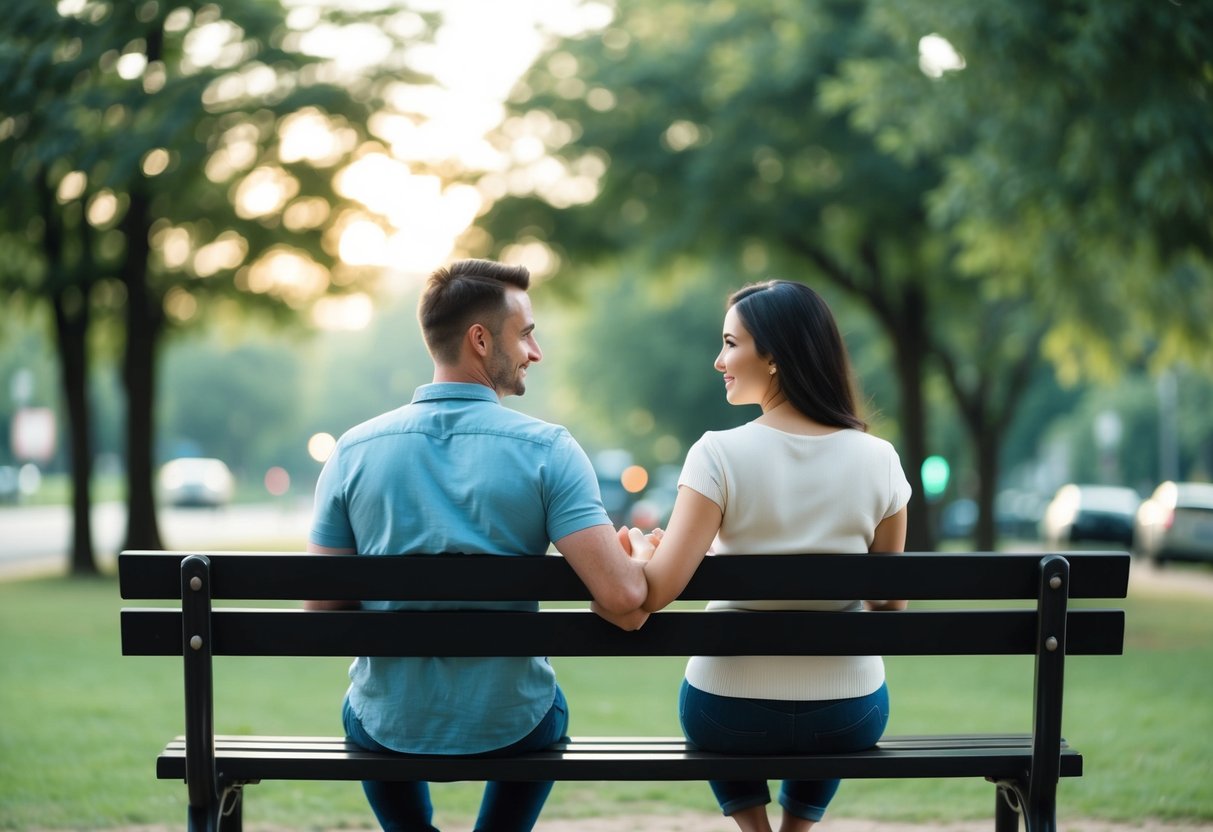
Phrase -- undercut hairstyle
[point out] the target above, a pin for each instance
(792, 325)
(461, 294)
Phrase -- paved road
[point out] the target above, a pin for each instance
(34, 540)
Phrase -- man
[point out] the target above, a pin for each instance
(455, 471)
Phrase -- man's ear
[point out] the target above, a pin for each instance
(479, 338)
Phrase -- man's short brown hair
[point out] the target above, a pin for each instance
(461, 294)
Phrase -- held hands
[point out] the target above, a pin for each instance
(640, 547)
(637, 544)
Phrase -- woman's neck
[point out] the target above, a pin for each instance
(783, 416)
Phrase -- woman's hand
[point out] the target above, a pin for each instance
(643, 546)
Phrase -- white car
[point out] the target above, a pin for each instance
(196, 481)
(1176, 523)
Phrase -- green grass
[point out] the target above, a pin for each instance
(80, 725)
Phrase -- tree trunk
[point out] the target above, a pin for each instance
(144, 323)
(987, 441)
(909, 348)
(987, 416)
(70, 303)
(71, 331)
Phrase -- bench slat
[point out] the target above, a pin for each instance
(290, 576)
(250, 758)
(623, 745)
(244, 632)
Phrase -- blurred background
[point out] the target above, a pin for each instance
(215, 219)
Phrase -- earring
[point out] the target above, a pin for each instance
(772, 371)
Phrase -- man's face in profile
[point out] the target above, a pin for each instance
(514, 346)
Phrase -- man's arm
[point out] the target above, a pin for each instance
(614, 580)
(329, 605)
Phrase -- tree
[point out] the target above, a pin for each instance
(165, 151)
(704, 128)
(1077, 148)
(821, 137)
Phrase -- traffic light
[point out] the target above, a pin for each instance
(935, 474)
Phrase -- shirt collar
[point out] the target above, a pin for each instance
(454, 390)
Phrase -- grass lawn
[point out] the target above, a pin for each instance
(81, 725)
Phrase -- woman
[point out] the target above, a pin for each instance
(802, 477)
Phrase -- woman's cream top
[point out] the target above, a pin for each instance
(784, 493)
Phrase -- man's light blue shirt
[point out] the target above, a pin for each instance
(453, 471)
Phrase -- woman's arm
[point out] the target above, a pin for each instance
(688, 536)
(890, 537)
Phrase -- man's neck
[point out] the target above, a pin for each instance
(462, 375)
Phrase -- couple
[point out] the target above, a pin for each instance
(454, 471)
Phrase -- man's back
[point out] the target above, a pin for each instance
(453, 471)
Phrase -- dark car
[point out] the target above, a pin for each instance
(1176, 523)
(1090, 513)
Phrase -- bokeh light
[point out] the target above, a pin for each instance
(277, 481)
(320, 446)
(634, 479)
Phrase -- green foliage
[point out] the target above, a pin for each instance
(165, 112)
(152, 175)
(1077, 152)
(1047, 201)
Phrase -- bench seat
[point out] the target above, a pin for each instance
(253, 758)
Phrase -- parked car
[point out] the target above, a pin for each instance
(1176, 523)
(196, 481)
(958, 519)
(1090, 513)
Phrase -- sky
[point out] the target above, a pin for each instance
(481, 50)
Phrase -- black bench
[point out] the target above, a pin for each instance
(1025, 767)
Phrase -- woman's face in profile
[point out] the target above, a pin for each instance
(747, 375)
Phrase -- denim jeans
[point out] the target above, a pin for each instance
(505, 807)
(774, 726)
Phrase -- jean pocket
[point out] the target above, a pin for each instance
(863, 733)
(712, 735)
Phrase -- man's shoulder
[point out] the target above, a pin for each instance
(527, 427)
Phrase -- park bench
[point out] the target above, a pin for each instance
(1025, 767)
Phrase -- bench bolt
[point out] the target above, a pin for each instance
(1055, 582)
(195, 583)
(1050, 643)
(196, 642)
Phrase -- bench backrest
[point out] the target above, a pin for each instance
(198, 630)
(915, 576)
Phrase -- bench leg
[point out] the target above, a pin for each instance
(1008, 806)
(1013, 803)
(231, 815)
(200, 819)
(1041, 818)
(224, 815)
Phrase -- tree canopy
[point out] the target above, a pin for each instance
(972, 208)
(170, 160)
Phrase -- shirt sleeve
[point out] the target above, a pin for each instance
(702, 472)
(572, 499)
(899, 486)
(331, 526)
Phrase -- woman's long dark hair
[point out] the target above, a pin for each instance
(793, 326)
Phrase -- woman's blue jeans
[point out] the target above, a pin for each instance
(774, 726)
(505, 807)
